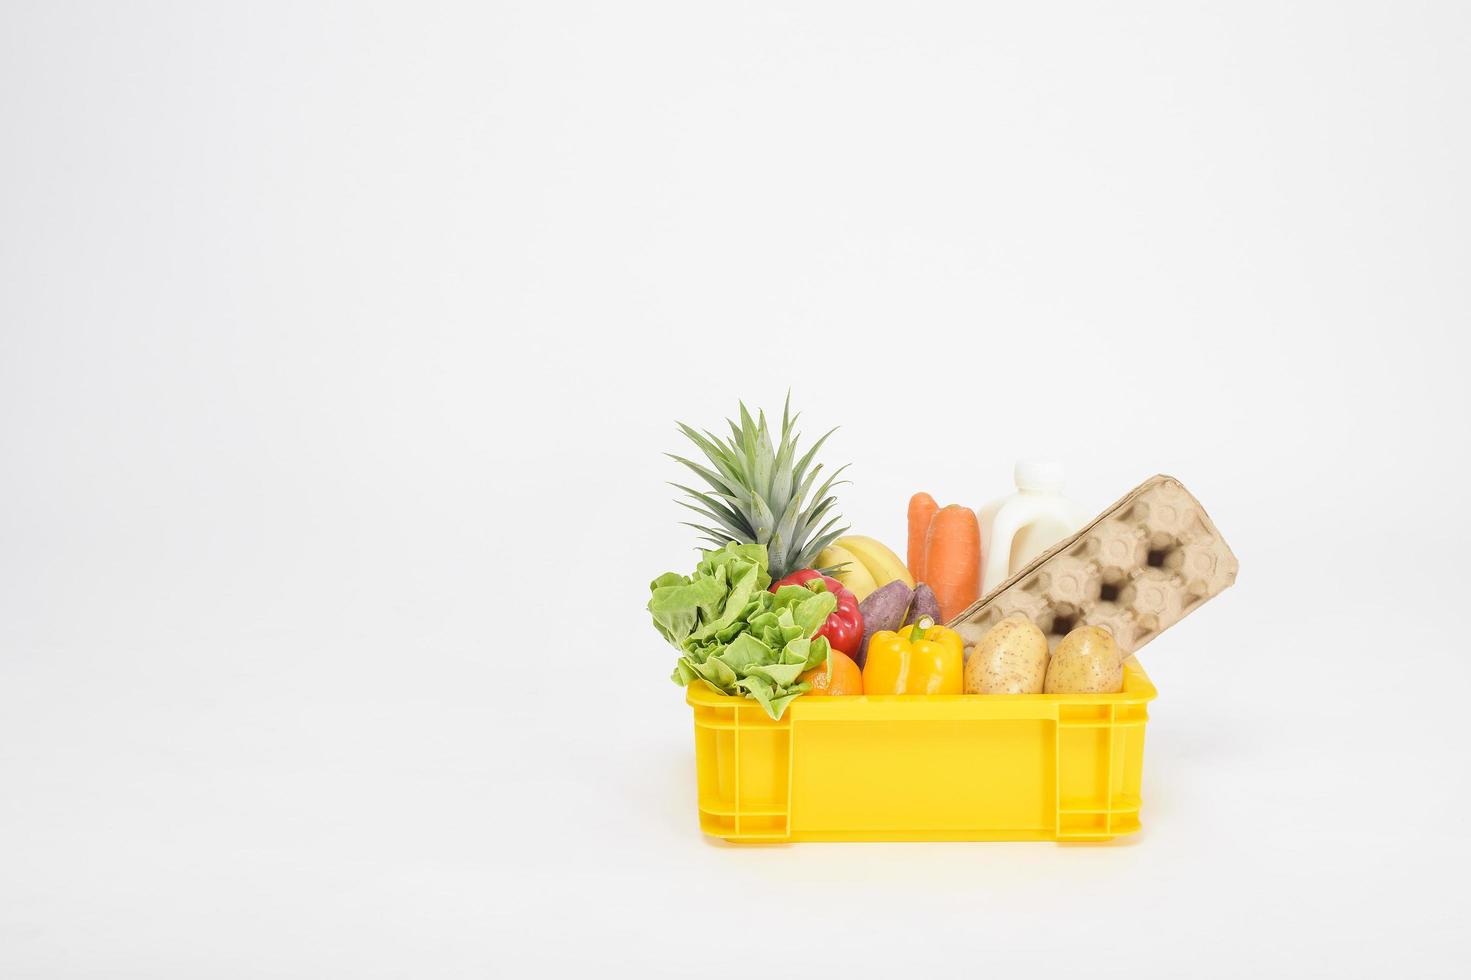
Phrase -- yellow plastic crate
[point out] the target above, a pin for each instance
(1060, 767)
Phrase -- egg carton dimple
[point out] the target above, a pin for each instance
(1137, 569)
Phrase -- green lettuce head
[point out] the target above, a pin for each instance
(735, 635)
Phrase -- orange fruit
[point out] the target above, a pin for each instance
(843, 678)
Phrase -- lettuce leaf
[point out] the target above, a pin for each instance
(735, 635)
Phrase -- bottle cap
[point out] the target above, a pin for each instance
(1043, 475)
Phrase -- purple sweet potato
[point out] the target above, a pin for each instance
(924, 603)
(884, 609)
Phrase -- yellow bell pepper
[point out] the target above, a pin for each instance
(919, 659)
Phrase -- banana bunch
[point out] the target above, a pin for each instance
(866, 565)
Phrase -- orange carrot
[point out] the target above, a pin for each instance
(922, 509)
(953, 559)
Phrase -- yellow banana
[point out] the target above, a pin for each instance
(882, 564)
(855, 576)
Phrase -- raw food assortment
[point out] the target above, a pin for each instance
(787, 603)
(843, 693)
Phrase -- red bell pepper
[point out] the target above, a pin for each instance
(844, 628)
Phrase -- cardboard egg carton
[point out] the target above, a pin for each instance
(1138, 568)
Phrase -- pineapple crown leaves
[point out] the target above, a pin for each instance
(760, 492)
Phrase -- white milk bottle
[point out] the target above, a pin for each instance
(1018, 528)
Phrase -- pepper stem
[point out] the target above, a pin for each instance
(816, 585)
(919, 629)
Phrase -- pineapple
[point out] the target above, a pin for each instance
(757, 492)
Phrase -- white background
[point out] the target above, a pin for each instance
(339, 347)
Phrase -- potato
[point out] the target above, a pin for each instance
(1010, 659)
(924, 604)
(1087, 661)
(884, 609)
